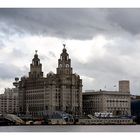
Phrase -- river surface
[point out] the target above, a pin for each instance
(71, 128)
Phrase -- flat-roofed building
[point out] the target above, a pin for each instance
(9, 101)
(115, 102)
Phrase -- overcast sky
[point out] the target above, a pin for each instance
(104, 44)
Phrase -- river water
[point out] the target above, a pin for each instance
(71, 128)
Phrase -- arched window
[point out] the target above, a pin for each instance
(60, 65)
(36, 62)
(33, 62)
(67, 65)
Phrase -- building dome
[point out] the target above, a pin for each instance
(51, 73)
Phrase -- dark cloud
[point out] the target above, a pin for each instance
(128, 19)
(70, 23)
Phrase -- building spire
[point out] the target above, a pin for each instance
(36, 51)
(64, 45)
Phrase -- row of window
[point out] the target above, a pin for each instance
(34, 96)
(117, 108)
(117, 101)
(36, 108)
(34, 91)
(117, 104)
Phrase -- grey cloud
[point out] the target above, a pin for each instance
(107, 74)
(128, 19)
(8, 71)
(52, 54)
(43, 57)
(17, 53)
(65, 23)
(1, 44)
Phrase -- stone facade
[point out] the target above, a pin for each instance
(55, 92)
(116, 102)
(9, 101)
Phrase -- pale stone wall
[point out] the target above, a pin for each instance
(9, 101)
(55, 92)
(106, 101)
(124, 86)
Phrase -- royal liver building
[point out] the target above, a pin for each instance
(55, 92)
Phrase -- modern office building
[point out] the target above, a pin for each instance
(115, 102)
(55, 92)
(9, 101)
